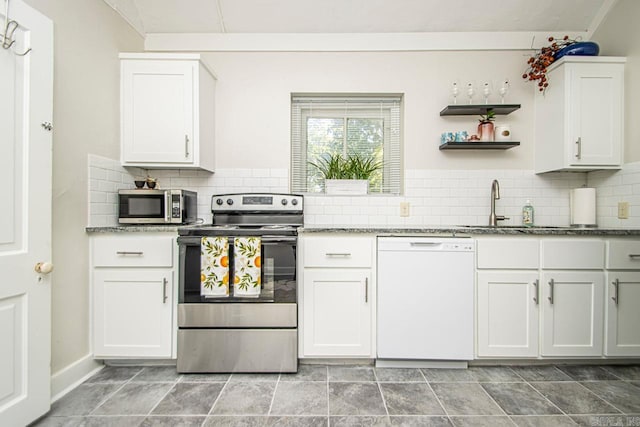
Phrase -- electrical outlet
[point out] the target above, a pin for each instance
(623, 210)
(404, 208)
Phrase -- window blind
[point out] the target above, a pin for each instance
(361, 125)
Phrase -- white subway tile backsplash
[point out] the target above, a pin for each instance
(436, 197)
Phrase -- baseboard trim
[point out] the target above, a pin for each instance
(440, 364)
(65, 380)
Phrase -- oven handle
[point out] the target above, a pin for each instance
(279, 239)
(265, 239)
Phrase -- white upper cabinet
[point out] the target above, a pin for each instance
(167, 111)
(579, 120)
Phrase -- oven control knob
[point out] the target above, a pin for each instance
(219, 202)
(229, 202)
(294, 202)
(284, 202)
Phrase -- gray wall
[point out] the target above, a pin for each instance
(619, 35)
(88, 37)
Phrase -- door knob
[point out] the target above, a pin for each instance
(43, 267)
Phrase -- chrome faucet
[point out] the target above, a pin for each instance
(495, 195)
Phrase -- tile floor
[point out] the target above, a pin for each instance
(320, 395)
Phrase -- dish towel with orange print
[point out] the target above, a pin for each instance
(214, 267)
(247, 262)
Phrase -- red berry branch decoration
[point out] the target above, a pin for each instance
(539, 62)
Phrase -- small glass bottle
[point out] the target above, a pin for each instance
(527, 214)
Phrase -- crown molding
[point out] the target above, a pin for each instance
(351, 42)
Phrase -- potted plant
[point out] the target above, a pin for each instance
(485, 127)
(347, 176)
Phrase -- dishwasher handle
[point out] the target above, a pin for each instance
(425, 244)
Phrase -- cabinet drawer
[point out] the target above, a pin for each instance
(138, 251)
(623, 255)
(508, 253)
(573, 254)
(338, 251)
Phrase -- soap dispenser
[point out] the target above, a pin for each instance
(527, 214)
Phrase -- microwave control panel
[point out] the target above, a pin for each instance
(175, 206)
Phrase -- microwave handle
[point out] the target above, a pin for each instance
(167, 204)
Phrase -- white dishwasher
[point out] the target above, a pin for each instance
(425, 298)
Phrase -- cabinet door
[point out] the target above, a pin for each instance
(337, 312)
(595, 114)
(132, 312)
(572, 313)
(157, 109)
(623, 315)
(507, 314)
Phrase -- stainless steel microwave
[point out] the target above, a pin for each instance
(157, 206)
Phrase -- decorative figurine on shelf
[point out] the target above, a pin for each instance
(470, 92)
(504, 89)
(455, 91)
(486, 91)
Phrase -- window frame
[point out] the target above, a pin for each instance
(345, 107)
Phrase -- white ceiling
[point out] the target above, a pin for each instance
(361, 16)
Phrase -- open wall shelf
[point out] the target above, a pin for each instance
(486, 145)
(477, 109)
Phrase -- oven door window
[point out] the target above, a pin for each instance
(278, 273)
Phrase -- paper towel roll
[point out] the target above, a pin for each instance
(583, 206)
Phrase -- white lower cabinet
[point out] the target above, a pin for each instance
(132, 313)
(540, 297)
(622, 329)
(337, 296)
(337, 313)
(507, 310)
(623, 314)
(507, 313)
(134, 295)
(572, 313)
(572, 297)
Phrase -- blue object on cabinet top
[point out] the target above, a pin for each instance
(579, 49)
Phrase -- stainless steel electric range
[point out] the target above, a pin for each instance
(231, 331)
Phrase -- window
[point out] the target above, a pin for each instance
(349, 125)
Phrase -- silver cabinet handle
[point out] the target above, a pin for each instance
(129, 253)
(345, 254)
(616, 285)
(186, 146)
(366, 289)
(634, 256)
(164, 290)
(551, 284)
(536, 284)
(579, 148)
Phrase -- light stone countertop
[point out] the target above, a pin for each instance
(478, 230)
(133, 229)
(432, 230)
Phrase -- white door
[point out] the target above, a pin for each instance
(337, 312)
(596, 113)
(623, 315)
(507, 314)
(572, 313)
(26, 86)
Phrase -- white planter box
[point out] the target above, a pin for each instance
(348, 187)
